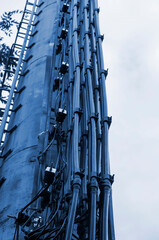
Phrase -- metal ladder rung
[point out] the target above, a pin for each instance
(26, 19)
(12, 57)
(27, 11)
(29, 3)
(21, 33)
(23, 28)
(25, 23)
(21, 37)
(7, 70)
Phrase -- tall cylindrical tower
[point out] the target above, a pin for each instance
(19, 168)
(55, 171)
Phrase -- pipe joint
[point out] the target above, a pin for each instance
(93, 185)
(76, 183)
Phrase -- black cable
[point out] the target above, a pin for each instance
(35, 198)
(49, 236)
(45, 226)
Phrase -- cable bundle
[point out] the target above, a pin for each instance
(80, 203)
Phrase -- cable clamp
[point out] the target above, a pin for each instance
(80, 173)
(94, 51)
(99, 136)
(105, 72)
(106, 181)
(70, 129)
(88, 67)
(94, 115)
(82, 47)
(83, 83)
(78, 65)
(96, 87)
(86, 7)
(71, 80)
(100, 37)
(108, 120)
(96, 10)
(75, 5)
(76, 30)
(78, 110)
(87, 33)
(84, 134)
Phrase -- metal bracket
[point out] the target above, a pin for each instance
(33, 34)
(27, 59)
(37, 14)
(108, 120)
(21, 90)
(11, 130)
(25, 73)
(6, 154)
(31, 45)
(17, 108)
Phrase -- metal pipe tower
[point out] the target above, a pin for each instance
(55, 180)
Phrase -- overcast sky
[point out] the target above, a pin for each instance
(131, 50)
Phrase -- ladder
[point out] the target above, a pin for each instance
(15, 68)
